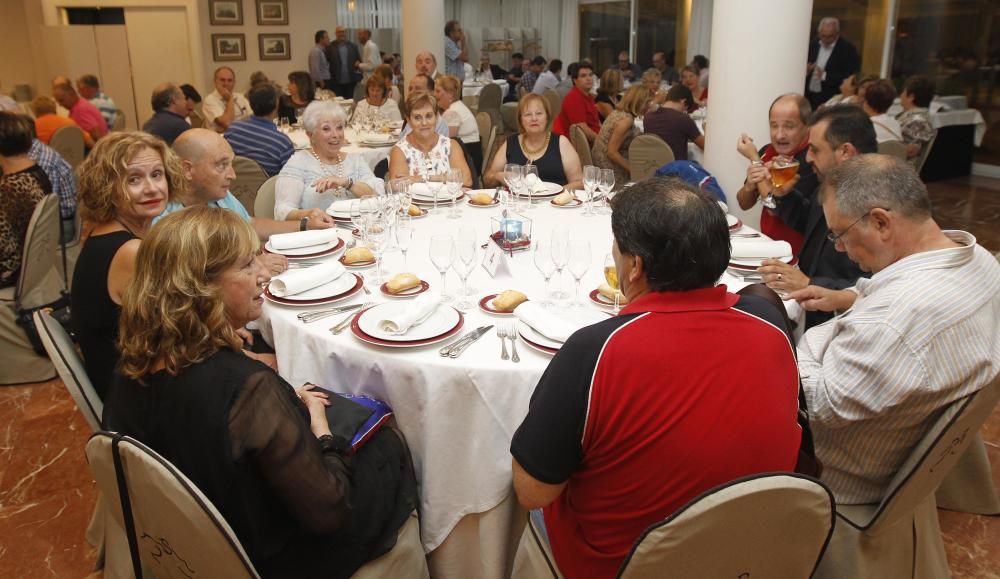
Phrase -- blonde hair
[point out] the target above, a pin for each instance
(635, 101)
(43, 105)
(418, 100)
(103, 175)
(449, 84)
(611, 82)
(173, 311)
(523, 104)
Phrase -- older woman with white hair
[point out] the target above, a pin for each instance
(314, 178)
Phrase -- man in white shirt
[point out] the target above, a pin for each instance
(550, 78)
(918, 335)
(370, 55)
(223, 105)
(831, 59)
(319, 66)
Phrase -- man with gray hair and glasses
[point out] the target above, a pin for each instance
(831, 59)
(918, 335)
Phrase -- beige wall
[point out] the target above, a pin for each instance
(13, 40)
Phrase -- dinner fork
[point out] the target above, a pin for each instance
(503, 343)
(350, 316)
(512, 334)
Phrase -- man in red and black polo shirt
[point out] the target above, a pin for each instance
(579, 105)
(688, 388)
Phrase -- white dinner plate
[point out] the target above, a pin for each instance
(755, 262)
(307, 250)
(331, 288)
(442, 321)
(423, 191)
(545, 189)
(579, 317)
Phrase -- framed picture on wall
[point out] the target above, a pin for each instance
(275, 46)
(272, 12)
(223, 12)
(229, 47)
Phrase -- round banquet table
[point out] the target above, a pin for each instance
(458, 415)
(371, 155)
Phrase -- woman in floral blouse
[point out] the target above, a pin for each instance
(423, 154)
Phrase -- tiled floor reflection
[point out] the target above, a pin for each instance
(47, 493)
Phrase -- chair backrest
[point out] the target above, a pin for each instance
(263, 204)
(119, 123)
(470, 161)
(646, 154)
(768, 525)
(40, 280)
(62, 352)
(484, 122)
(578, 138)
(68, 142)
(489, 101)
(934, 456)
(555, 101)
(893, 147)
(924, 153)
(360, 92)
(197, 118)
(488, 149)
(249, 178)
(178, 532)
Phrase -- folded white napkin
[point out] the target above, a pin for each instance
(761, 249)
(297, 281)
(377, 137)
(401, 317)
(543, 322)
(534, 184)
(342, 206)
(298, 239)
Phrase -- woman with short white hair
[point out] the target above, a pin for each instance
(314, 178)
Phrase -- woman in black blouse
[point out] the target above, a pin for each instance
(535, 143)
(301, 504)
(301, 92)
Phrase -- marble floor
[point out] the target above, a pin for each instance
(47, 493)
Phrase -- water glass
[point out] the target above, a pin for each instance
(605, 184)
(378, 238)
(404, 234)
(442, 253)
(454, 180)
(579, 263)
(465, 249)
(542, 254)
(559, 251)
(591, 177)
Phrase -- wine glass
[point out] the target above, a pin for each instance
(591, 177)
(442, 252)
(513, 175)
(377, 239)
(434, 184)
(404, 234)
(528, 181)
(543, 261)
(783, 169)
(579, 263)
(465, 249)
(454, 180)
(467, 235)
(368, 207)
(560, 255)
(605, 184)
(611, 276)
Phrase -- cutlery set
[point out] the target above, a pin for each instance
(455, 349)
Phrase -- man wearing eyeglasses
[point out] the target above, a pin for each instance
(918, 335)
(836, 134)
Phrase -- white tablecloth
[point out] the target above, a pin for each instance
(956, 116)
(472, 88)
(458, 415)
(371, 155)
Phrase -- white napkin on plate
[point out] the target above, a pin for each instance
(341, 206)
(761, 249)
(401, 317)
(298, 239)
(299, 280)
(543, 322)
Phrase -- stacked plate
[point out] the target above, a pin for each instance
(338, 289)
(537, 340)
(340, 211)
(309, 251)
(422, 195)
(545, 190)
(734, 222)
(444, 323)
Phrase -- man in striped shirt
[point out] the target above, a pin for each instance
(917, 336)
(256, 137)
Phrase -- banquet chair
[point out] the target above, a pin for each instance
(555, 102)
(969, 487)
(646, 154)
(487, 134)
(69, 365)
(894, 148)
(489, 102)
(39, 284)
(919, 160)
(119, 123)
(249, 177)
(68, 142)
(263, 203)
(900, 536)
(178, 532)
(579, 140)
(508, 114)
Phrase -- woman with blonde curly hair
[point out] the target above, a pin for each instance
(125, 182)
(300, 502)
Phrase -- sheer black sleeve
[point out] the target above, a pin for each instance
(311, 478)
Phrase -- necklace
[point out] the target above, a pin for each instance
(534, 153)
(338, 166)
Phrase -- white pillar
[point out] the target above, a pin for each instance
(759, 50)
(422, 30)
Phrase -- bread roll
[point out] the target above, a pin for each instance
(414, 211)
(402, 282)
(508, 300)
(609, 292)
(358, 255)
(564, 198)
(481, 199)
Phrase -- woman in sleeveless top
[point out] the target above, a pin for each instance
(617, 132)
(535, 143)
(423, 154)
(124, 183)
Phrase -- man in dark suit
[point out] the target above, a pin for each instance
(345, 64)
(835, 135)
(831, 60)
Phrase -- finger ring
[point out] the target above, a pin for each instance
(779, 277)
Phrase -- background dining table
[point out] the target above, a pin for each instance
(371, 154)
(458, 415)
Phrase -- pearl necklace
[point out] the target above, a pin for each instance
(338, 170)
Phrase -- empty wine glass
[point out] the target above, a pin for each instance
(404, 234)
(605, 184)
(579, 263)
(468, 235)
(377, 239)
(434, 185)
(465, 250)
(591, 177)
(442, 253)
(454, 180)
(543, 261)
(529, 180)
(560, 256)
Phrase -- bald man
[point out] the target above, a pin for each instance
(80, 110)
(208, 167)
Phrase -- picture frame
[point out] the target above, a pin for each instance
(275, 46)
(229, 47)
(225, 12)
(272, 12)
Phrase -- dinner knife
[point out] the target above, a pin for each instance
(457, 351)
(471, 336)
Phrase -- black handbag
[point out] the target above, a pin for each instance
(59, 309)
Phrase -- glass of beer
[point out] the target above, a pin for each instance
(783, 169)
(611, 275)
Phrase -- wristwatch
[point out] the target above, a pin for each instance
(302, 223)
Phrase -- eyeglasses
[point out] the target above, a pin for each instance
(836, 237)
